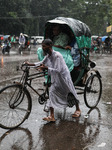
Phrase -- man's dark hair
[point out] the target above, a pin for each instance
(47, 42)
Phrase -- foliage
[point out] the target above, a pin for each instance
(30, 16)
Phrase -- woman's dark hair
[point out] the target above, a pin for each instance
(47, 42)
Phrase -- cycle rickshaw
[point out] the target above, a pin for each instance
(88, 79)
(15, 99)
(26, 46)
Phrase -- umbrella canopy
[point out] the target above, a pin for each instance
(25, 35)
(103, 38)
(94, 37)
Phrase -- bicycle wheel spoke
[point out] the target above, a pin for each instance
(23, 109)
(14, 107)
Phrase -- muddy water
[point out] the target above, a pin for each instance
(92, 131)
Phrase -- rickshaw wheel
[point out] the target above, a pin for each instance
(92, 91)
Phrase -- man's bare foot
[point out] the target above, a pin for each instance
(76, 114)
(49, 118)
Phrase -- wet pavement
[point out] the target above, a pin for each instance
(92, 131)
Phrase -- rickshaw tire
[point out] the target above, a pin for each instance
(90, 79)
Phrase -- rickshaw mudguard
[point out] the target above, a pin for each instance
(95, 72)
(65, 53)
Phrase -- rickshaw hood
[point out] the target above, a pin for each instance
(81, 31)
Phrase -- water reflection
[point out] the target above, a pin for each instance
(2, 62)
(72, 135)
(17, 139)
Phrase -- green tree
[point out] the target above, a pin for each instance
(12, 16)
(30, 16)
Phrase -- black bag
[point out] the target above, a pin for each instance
(71, 99)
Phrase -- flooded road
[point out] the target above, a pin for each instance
(92, 131)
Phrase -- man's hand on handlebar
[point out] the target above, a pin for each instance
(43, 67)
(27, 63)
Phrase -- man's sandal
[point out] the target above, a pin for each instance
(76, 114)
(49, 119)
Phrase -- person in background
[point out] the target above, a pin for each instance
(13, 40)
(7, 42)
(22, 39)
